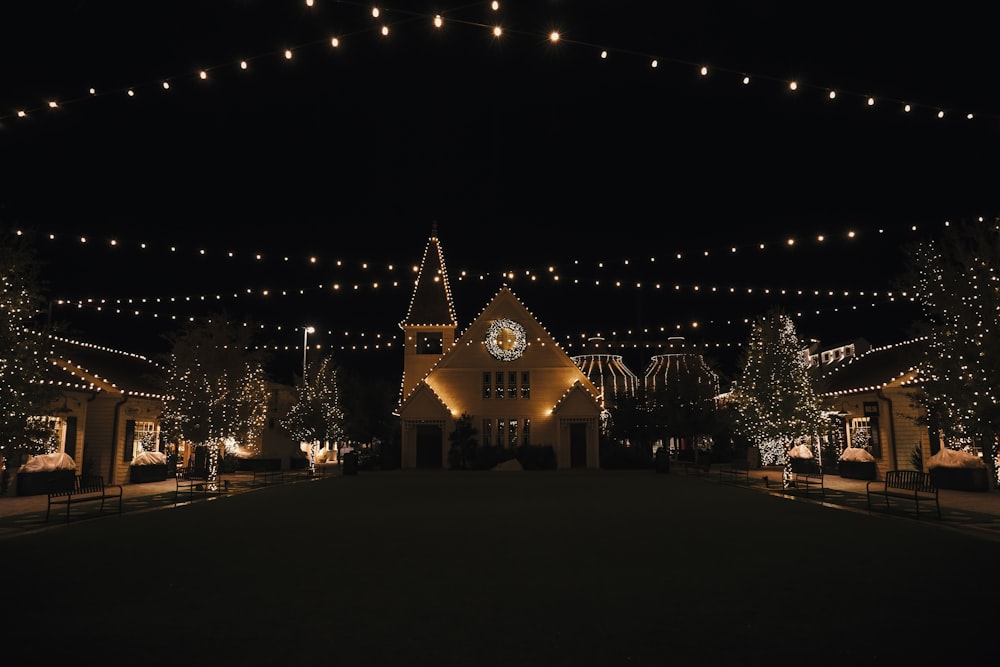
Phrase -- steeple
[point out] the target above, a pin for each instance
(431, 304)
(430, 324)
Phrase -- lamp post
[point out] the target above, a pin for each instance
(305, 348)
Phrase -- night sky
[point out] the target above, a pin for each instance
(525, 153)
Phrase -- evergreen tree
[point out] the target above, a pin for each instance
(23, 351)
(776, 397)
(959, 290)
(316, 416)
(216, 390)
(463, 443)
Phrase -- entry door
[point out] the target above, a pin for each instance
(577, 445)
(429, 444)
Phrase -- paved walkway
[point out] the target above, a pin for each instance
(974, 512)
(27, 514)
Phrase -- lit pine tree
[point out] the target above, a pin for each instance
(316, 416)
(777, 402)
(959, 289)
(216, 389)
(23, 395)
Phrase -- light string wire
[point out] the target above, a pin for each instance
(438, 19)
(548, 271)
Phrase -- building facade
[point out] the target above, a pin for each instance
(505, 373)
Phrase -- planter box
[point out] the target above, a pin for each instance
(153, 472)
(857, 469)
(960, 479)
(804, 466)
(40, 483)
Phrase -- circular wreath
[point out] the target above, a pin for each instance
(493, 345)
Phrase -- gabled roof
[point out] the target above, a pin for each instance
(431, 303)
(875, 369)
(104, 369)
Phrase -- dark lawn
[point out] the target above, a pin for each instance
(500, 568)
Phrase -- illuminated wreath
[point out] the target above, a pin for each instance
(505, 339)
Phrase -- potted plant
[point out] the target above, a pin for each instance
(46, 472)
(857, 463)
(148, 467)
(955, 469)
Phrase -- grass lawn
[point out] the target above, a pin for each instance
(572, 568)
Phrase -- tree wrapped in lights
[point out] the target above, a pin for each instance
(959, 290)
(216, 390)
(23, 394)
(777, 402)
(316, 416)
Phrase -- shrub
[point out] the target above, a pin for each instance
(537, 457)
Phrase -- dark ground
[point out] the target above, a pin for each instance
(536, 568)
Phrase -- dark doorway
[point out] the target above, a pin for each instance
(429, 439)
(577, 445)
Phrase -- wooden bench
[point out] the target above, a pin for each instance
(906, 485)
(738, 471)
(190, 480)
(85, 488)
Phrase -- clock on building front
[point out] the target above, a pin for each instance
(505, 339)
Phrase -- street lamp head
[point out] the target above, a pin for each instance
(310, 330)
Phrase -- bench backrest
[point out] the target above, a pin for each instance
(911, 480)
(81, 484)
(89, 483)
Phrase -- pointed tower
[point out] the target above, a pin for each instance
(430, 324)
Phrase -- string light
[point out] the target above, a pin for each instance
(437, 22)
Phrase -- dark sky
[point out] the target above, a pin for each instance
(526, 154)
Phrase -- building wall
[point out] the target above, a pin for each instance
(897, 425)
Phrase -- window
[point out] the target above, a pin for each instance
(500, 438)
(139, 437)
(512, 384)
(525, 384)
(487, 431)
(430, 342)
(860, 434)
(526, 433)
(512, 433)
(486, 384)
(499, 384)
(46, 433)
